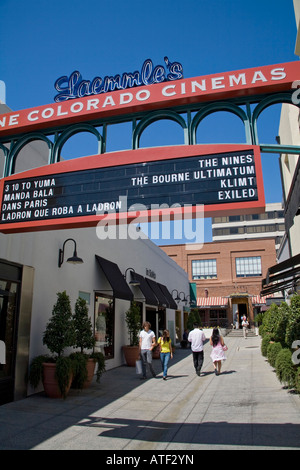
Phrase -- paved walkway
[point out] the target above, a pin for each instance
(243, 408)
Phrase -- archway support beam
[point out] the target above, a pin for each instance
(246, 108)
(286, 149)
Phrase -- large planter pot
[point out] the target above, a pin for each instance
(131, 354)
(50, 383)
(90, 371)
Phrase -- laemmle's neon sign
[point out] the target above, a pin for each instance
(74, 87)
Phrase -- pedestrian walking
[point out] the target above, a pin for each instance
(197, 338)
(165, 352)
(146, 344)
(245, 325)
(184, 341)
(217, 355)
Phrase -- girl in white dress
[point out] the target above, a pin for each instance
(217, 354)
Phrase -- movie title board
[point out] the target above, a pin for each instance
(203, 179)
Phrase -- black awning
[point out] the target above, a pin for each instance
(282, 276)
(115, 278)
(162, 301)
(146, 290)
(168, 296)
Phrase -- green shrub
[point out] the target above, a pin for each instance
(272, 352)
(36, 370)
(280, 323)
(285, 370)
(261, 330)
(258, 319)
(60, 332)
(269, 320)
(80, 373)
(100, 360)
(84, 337)
(194, 317)
(63, 372)
(293, 324)
(133, 322)
(264, 344)
(297, 380)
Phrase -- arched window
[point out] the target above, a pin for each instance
(221, 127)
(162, 133)
(79, 145)
(77, 141)
(162, 128)
(31, 154)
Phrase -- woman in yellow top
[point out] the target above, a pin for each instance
(165, 352)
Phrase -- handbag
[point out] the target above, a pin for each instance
(225, 348)
(138, 366)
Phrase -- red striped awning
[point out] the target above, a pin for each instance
(258, 300)
(212, 301)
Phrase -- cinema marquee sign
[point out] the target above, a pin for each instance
(254, 81)
(130, 184)
(135, 183)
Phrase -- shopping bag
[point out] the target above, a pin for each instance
(138, 366)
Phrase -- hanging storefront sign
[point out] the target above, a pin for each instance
(254, 81)
(134, 183)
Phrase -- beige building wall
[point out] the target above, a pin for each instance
(289, 135)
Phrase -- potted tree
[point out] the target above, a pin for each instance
(133, 322)
(56, 371)
(84, 364)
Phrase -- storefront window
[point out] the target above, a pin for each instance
(104, 325)
(218, 317)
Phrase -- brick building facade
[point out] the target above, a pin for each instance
(227, 276)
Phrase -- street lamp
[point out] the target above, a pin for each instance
(177, 298)
(133, 281)
(73, 259)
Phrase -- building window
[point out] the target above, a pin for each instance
(85, 296)
(104, 325)
(218, 317)
(248, 267)
(204, 269)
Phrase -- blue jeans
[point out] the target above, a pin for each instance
(164, 358)
(146, 357)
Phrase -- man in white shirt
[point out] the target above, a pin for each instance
(197, 338)
(146, 344)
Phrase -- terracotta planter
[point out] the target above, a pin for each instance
(131, 354)
(91, 372)
(50, 382)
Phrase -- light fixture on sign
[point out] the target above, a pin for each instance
(73, 259)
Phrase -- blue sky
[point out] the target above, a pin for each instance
(42, 40)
